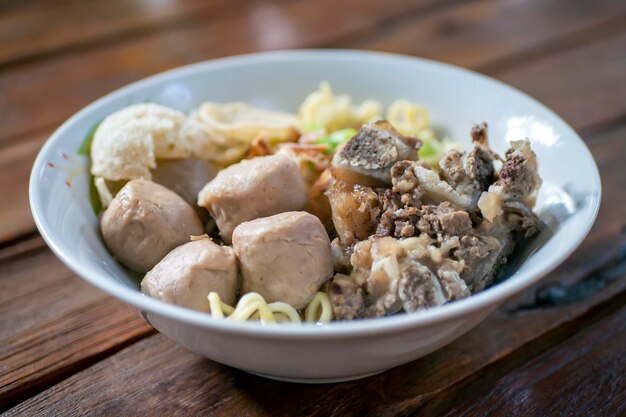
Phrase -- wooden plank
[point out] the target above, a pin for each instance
(16, 162)
(155, 375)
(599, 98)
(585, 375)
(33, 30)
(42, 94)
(508, 40)
(482, 33)
(527, 320)
(53, 324)
(45, 93)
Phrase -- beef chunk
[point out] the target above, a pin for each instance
(519, 176)
(367, 158)
(346, 298)
(470, 173)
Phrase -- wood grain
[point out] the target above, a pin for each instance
(36, 30)
(42, 94)
(155, 375)
(16, 162)
(558, 382)
(483, 33)
(532, 355)
(53, 323)
(525, 326)
(594, 102)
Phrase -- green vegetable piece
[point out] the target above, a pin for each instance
(85, 150)
(341, 136)
(335, 139)
(427, 149)
(312, 127)
(85, 147)
(94, 197)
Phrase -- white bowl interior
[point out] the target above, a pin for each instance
(456, 99)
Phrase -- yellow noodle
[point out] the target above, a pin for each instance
(409, 118)
(319, 309)
(252, 306)
(285, 309)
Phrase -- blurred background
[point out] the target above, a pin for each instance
(56, 56)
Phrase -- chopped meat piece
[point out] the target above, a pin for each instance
(354, 210)
(443, 218)
(482, 255)
(452, 285)
(410, 274)
(518, 180)
(341, 256)
(522, 219)
(417, 178)
(479, 135)
(367, 158)
(430, 219)
(419, 288)
(346, 298)
(519, 176)
(468, 173)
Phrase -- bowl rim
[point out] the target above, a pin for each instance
(487, 299)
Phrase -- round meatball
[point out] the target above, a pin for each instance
(251, 189)
(188, 273)
(285, 257)
(186, 177)
(145, 221)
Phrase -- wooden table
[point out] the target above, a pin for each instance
(68, 349)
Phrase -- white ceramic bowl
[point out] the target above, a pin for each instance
(280, 80)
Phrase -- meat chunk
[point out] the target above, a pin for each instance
(519, 176)
(399, 274)
(188, 273)
(482, 255)
(346, 298)
(144, 222)
(251, 189)
(367, 158)
(469, 173)
(354, 210)
(285, 257)
(431, 219)
(518, 180)
(416, 178)
(185, 177)
(419, 288)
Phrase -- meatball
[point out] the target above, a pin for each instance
(188, 273)
(145, 221)
(185, 177)
(251, 189)
(285, 257)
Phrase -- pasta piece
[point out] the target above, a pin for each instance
(408, 118)
(322, 108)
(319, 309)
(252, 306)
(240, 123)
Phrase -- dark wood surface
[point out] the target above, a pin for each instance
(68, 349)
